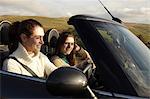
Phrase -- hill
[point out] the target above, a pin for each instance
(48, 23)
(140, 30)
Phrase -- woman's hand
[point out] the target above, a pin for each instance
(77, 47)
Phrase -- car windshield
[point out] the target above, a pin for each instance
(131, 54)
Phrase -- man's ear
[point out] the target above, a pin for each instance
(23, 37)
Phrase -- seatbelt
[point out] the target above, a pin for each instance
(24, 66)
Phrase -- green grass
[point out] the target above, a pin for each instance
(142, 30)
(48, 23)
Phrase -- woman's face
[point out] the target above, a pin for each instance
(68, 46)
(35, 41)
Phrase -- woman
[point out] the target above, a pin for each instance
(26, 58)
(68, 53)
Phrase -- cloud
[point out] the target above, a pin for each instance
(23, 7)
(137, 12)
(128, 10)
(140, 15)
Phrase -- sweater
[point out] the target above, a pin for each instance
(39, 64)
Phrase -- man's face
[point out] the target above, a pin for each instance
(68, 46)
(35, 41)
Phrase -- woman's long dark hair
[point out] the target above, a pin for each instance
(17, 28)
(60, 42)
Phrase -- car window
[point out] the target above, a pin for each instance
(131, 53)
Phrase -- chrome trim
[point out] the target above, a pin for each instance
(117, 95)
(4, 21)
(127, 96)
(102, 92)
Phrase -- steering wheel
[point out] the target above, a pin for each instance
(88, 70)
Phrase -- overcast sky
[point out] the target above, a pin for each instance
(137, 11)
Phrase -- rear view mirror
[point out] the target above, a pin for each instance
(66, 81)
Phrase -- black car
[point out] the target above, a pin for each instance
(122, 67)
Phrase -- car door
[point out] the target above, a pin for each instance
(20, 86)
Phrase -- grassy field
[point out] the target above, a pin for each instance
(141, 30)
(48, 23)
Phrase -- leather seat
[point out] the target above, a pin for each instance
(4, 40)
(50, 40)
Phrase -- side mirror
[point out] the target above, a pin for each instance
(66, 81)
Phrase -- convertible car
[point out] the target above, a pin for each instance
(122, 65)
(121, 59)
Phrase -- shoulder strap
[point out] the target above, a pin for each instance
(24, 66)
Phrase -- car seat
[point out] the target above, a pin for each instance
(4, 40)
(50, 40)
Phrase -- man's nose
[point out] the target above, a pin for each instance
(41, 40)
(68, 45)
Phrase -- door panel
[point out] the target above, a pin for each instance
(18, 86)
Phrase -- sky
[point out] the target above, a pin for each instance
(135, 11)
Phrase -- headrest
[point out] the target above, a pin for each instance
(4, 32)
(51, 37)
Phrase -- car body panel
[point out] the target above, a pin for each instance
(15, 86)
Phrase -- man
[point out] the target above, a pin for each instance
(27, 58)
